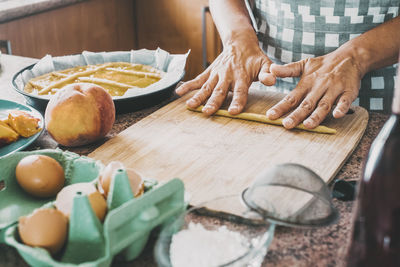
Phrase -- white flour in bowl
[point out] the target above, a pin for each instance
(199, 247)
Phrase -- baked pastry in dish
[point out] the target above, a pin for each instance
(115, 77)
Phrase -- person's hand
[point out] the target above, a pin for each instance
(234, 70)
(326, 80)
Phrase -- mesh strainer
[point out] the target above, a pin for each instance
(309, 203)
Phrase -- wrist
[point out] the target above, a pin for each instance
(241, 38)
(360, 56)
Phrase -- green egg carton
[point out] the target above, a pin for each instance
(125, 230)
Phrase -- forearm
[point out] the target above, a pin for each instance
(232, 21)
(376, 48)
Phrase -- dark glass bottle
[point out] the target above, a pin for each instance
(376, 232)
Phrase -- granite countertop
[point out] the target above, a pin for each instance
(290, 247)
(13, 9)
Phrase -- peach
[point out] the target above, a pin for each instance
(79, 114)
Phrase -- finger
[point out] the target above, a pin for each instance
(294, 69)
(194, 84)
(323, 108)
(289, 102)
(204, 93)
(344, 104)
(239, 99)
(267, 79)
(305, 108)
(217, 97)
(265, 75)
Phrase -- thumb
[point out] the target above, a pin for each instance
(294, 69)
(265, 75)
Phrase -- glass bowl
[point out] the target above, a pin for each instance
(220, 232)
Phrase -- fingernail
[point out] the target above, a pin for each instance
(337, 112)
(233, 108)
(191, 102)
(271, 113)
(206, 108)
(288, 122)
(308, 123)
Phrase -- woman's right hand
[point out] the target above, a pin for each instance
(240, 63)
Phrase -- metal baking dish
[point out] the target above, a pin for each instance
(122, 105)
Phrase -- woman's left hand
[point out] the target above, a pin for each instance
(326, 80)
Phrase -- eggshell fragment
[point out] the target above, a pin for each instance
(106, 176)
(40, 175)
(136, 182)
(45, 228)
(64, 200)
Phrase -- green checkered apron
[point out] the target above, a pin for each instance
(291, 30)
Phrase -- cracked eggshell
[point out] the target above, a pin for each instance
(65, 198)
(136, 181)
(106, 176)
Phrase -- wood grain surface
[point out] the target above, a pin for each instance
(177, 28)
(217, 156)
(93, 25)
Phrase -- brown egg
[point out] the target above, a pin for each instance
(64, 200)
(40, 175)
(45, 228)
(109, 172)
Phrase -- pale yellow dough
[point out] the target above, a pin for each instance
(264, 119)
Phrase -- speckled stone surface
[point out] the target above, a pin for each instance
(13, 9)
(290, 247)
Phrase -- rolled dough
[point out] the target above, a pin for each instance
(262, 118)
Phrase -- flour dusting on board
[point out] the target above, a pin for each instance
(199, 247)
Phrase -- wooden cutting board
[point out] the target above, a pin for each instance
(217, 156)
